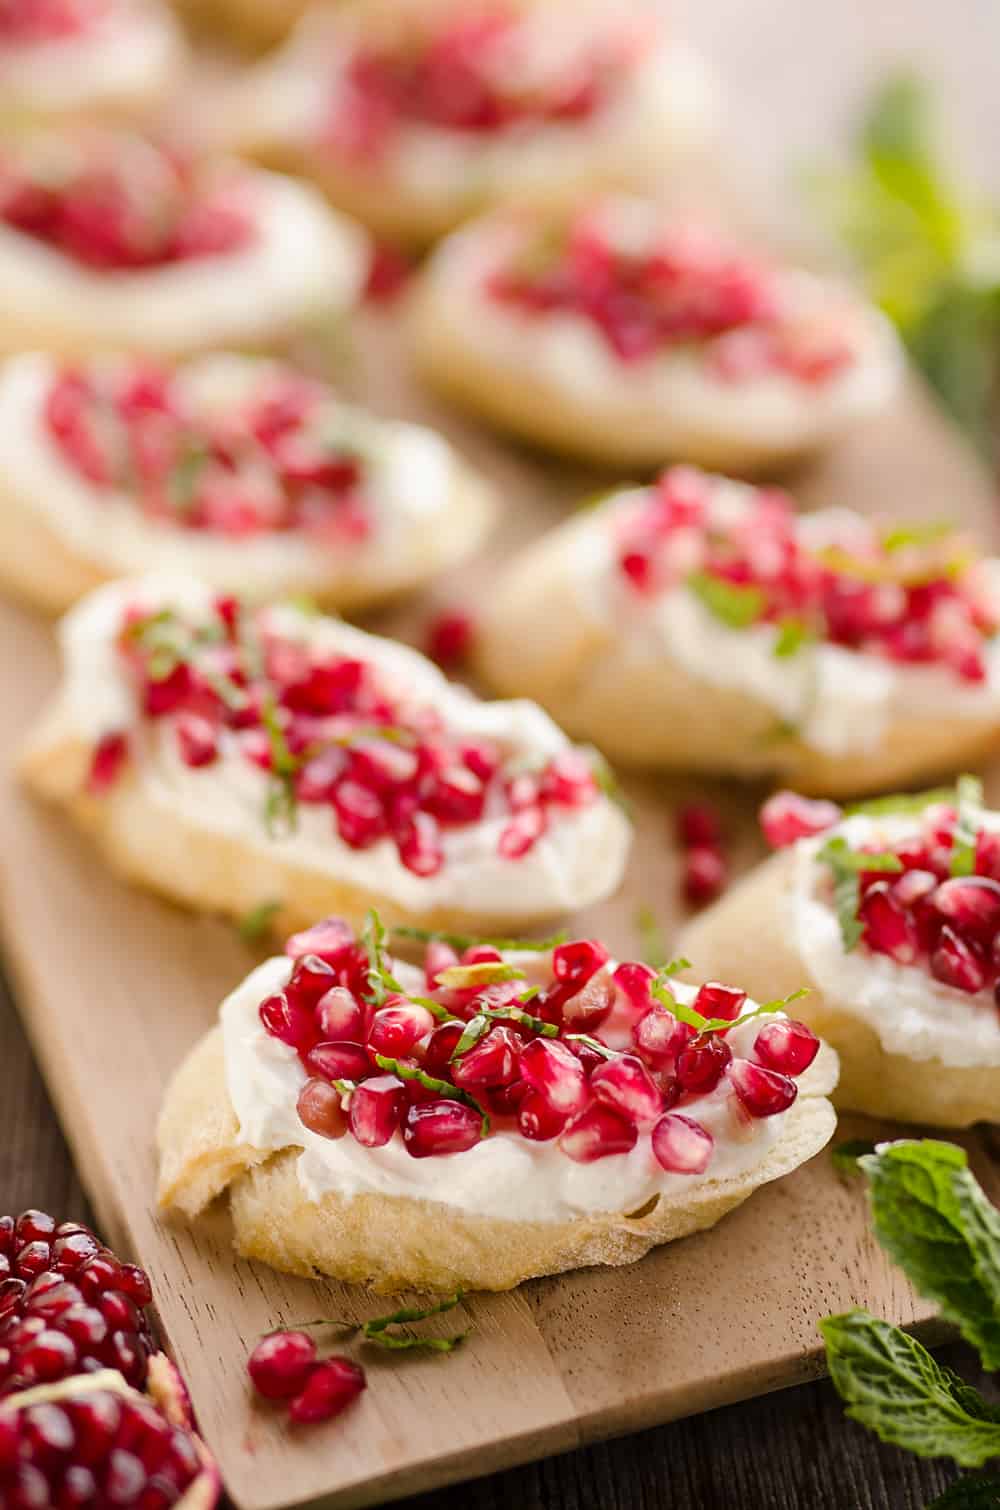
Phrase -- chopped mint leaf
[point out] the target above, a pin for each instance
(932, 1217)
(652, 944)
(381, 983)
(476, 1028)
(256, 922)
(845, 1155)
(185, 477)
(281, 804)
(893, 1386)
(902, 804)
(462, 941)
(593, 1043)
(792, 635)
(511, 1012)
(411, 1313)
(694, 1019)
(970, 808)
(444, 1088)
(847, 865)
(472, 977)
(972, 1492)
(734, 605)
(377, 1330)
(916, 534)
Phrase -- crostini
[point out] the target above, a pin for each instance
(700, 624)
(242, 471)
(623, 336)
(109, 241)
(415, 114)
(86, 57)
(891, 916)
(510, 1111)
(233, 757)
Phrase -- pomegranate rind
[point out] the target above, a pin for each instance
(204, 1491)
(537, 636)
(394, 1242)
(745, 936)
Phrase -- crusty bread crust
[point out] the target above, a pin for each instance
(395, 1242)
(40, 567)
(746, 936)
(536, 636)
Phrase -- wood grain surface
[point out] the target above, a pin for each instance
(568, 1358)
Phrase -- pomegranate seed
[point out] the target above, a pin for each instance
(360, 818)
(537, 1119)
(34, 1227)
(337, 1061)
(522, 833)
(311, 978)
(704, 874)
(700, 1065)
(913, 887)
(955, 964)
(281, 1363)
(681, 1145)
(340, 1017)
(492, 1062)
(698, 825)
(442, 1044)
(577, 962)
(440, 1127)
(716, 1000)
(328, 940)
(197, 740)
(396, 1028)
(439, 956)
(786, 1046)
(319, 1109)
(988, 854)
(633, 981)
(763, 1092)
(449, 639)
(288, 1022)
(970, 905)
(376, 1109)
(553, 1070)
(568, 780)
(110, 754)
(787, 817)
(330, 1388)
(888, 928)
(625, 1084)
(659, 1036)
(597, 1133)
(50, 1355)
(419, 848)
(588, 1008)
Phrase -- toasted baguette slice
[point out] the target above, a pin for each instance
(749, 935)
(658, 680)
(62, 535)
(208, 834)
(391, 1238)
(551, 376)
(426, 178)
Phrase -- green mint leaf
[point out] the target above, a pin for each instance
(281, 808)
(462, 941)
(733, 605)
(381, 983)
(892, 1385)
(406, 1341)
(412, 1313)
(476, 1028)
(845, 1155)
(472, 977)
(674, 967)
(972, 1492)
(916, 534)
(903, 804)
(932, 1217)
(593, 1043)
(847, 864)
(792, 635)
(429, 1082)
(513, 1013)
(256, 922)
(652, 944)
(694, 1019)
(967, 821)
(185, 478)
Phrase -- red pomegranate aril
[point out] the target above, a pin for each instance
(970, 905)
(310, 979)
(396, 1028)
(340, 1017)
(913, 887)
(633, 981)
(491, 1062)
(763, 1092)
(889, 929)
(626, 1084)
(376, 1109)
(700, 1065)
(288, 1022)
(440, 1047)
(681, 1145)
(597, 1133)
(50, 1355)
(589, 1007)
(988, 853)
(328, 940)
(338, 1061)
(449, 639)
(197, 740)
(522, 833)
(537, 1118)
(553, 1070)
(33, 1226)
(568, 780)
(578, 961)
(331, 1386)
(320, 1110)
(106, 763)
(716, 1000)
(441, 1127)
(360, 817)
(698, 824)
(704, 874)
(786, 817)
(32, 1259)
(954, 963)
(659, 1036)
(419, 846)
(787, 1046)
(281, 1363)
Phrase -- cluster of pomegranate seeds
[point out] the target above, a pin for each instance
(275, 456)
(679, 287)
(28, 22)
(705, 869)
(284, 1366)
(913, 596)
(67, 1305)
(329, 731)
(94, 1448)
(479, 1048)
(116, 202)
(470, 76)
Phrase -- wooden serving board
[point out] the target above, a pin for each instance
(115, 986)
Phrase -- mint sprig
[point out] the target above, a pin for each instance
(847, 866)
(407, 1071)
(845, 1156)
(893, 1386)
(793, 634)
(694, 1019)
(256, 921)
(901, 804)
(381, 981)
(379, 1329)
(969, 791)
(973, 1492)
(731, 603)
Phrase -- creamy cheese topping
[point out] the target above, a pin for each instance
(502, 1176)
(564, 348)
(578, 859)
(913, 1014)
(128, 56)
(302, 262)
(411, 476)
(839, 701)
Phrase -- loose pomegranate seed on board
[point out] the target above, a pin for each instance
(281, 1363)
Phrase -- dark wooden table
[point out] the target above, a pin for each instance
(793, 70)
